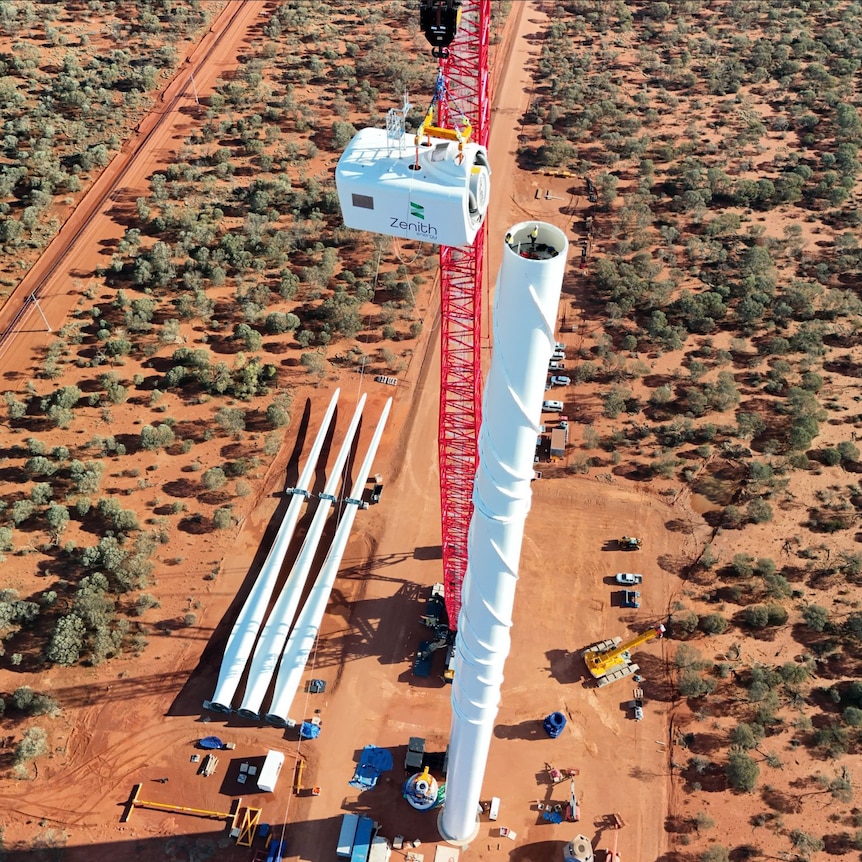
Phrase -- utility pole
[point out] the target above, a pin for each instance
(35, 300)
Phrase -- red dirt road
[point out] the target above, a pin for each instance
(61, 273)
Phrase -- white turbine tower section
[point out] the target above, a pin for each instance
(302, 638)
(525, 309)
(241, 640)
(275, 631)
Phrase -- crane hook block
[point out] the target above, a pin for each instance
(439, 20)
(435, 192)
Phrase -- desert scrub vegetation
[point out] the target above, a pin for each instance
(233, 267)
(51, 79)
(681, 259)
(33, 744)
(242, 238)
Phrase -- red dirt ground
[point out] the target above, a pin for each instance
(135, 720)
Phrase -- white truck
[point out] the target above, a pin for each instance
(629, 579)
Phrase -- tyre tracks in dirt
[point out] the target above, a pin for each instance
(70, 255)
(82, 782)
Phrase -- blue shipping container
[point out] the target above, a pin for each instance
(362, 841)
(346, 836)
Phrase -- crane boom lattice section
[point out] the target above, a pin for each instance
(460, 409)
(465, 71)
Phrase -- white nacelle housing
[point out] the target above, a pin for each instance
(381, 190)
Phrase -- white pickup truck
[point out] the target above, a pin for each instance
(627, 579)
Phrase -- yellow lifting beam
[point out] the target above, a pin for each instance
(300, 767)
(136, 802)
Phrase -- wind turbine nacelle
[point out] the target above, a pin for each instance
(439, 198)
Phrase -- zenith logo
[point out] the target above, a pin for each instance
(419, 227)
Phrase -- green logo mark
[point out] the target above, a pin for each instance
(417, 211)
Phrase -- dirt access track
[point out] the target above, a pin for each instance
(140, 724)
(75, 249)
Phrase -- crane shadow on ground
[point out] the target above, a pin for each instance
(565, 667)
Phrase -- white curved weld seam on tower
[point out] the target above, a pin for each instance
(277, 627)
(525, 310)
(302, 638)
(241, 640)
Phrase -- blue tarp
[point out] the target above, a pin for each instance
(211, 742)
(309, 730)
(372, 763)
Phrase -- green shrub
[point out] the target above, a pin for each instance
(154, 438)
(816, 617)
(776, 615)
(713, 624)
(682, 623)
(144, 602)
(742, 565)
(830, 456)
(692, 684)
(747, 736)
(849, 452)
(759, 511)
(67, 640)
(757, 616)
(277, 416)
(213, 479)
(22, 698)
(742, 771)
(231, 420)
(34, 744)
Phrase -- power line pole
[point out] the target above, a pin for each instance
(35, 300)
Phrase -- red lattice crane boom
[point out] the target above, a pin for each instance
(464, 65)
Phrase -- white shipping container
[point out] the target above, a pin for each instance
(380, 850)
(270, 770)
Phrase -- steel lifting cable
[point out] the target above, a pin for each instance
(397, 250)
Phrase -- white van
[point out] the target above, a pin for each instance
(552, 406)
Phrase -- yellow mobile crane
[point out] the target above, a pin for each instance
(610, 660)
